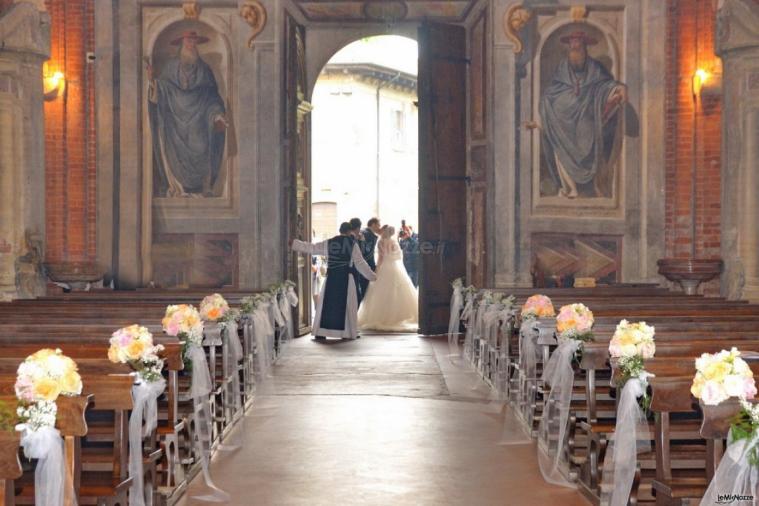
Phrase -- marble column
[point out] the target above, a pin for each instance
(24, 46)
(737, 43)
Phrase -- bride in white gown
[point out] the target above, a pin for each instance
(390, 303)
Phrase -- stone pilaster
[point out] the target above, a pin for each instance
(24, 46)
(737, 43)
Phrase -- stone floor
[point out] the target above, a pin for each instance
(385, 420)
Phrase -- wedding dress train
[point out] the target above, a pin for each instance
(390, 303)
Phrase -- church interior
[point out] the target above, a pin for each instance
(582, 179)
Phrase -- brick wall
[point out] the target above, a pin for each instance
(70, 135)
(690, 34)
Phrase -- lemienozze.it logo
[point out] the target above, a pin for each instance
(733, 498)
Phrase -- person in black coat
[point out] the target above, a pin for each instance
(337, 308)
(368, 246)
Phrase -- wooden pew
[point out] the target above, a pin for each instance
(10, 465)
(109, 387)
(685, 325)
(171, 424)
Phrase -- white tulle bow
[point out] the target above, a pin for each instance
(631, 437)
(145, 409)
(528, 350)
(457, 302)
(200, 390)
(292, 297)
(736, 479)
(552, 430)
(46, 445)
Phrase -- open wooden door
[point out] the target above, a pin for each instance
(442, 169)
(297, 170)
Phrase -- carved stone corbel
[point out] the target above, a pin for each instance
(191, 10)
(517, 16)
(254, 14)
(578, 13)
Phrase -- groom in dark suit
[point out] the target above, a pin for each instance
(367, 243)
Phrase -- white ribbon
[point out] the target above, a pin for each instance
(528, 351)
(145, 407)
(490, 319)
(200, 389)
(263, 336)
(234, 340)
(277, 311)
(631, 437)
(292, 297)
(560, 376)
(735, 476)
(233, 360)
(506, 316)
(478, 319)
(468, 317)
(200, 383)
(284, 308)
(46, 445)
(457, 302)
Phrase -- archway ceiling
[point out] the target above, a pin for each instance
(370, 10)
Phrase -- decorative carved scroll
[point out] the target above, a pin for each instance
(516, 18)
(255, 15)
(191, 10)
(578, 12)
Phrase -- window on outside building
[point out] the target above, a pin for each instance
(399, 129)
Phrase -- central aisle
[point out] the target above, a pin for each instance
(385, 421)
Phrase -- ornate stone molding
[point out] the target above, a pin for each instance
(191, 10)
(736, 25)
(517, 16)
(254, 14)
(39, 4)
(578, 12)
(25, 29)
(385, 11)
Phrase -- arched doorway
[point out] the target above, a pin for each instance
(443, 164)
(364, 141)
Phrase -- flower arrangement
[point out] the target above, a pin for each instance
(40, 379)
(506, 300)
(487, 297)
(251, 302)
(745, 426)
(722, 375)
(183, 321)
(214, 308)
(133, 345)
(632, 340)
(537, 306)
(631, 344)
(575, 321)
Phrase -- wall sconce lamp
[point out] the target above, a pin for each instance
(706, 83)
(53, 83)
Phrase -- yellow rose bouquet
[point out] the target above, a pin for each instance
(40, 379)
(720, 376)
(183, 321)
(133, 345)
(575, 321)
